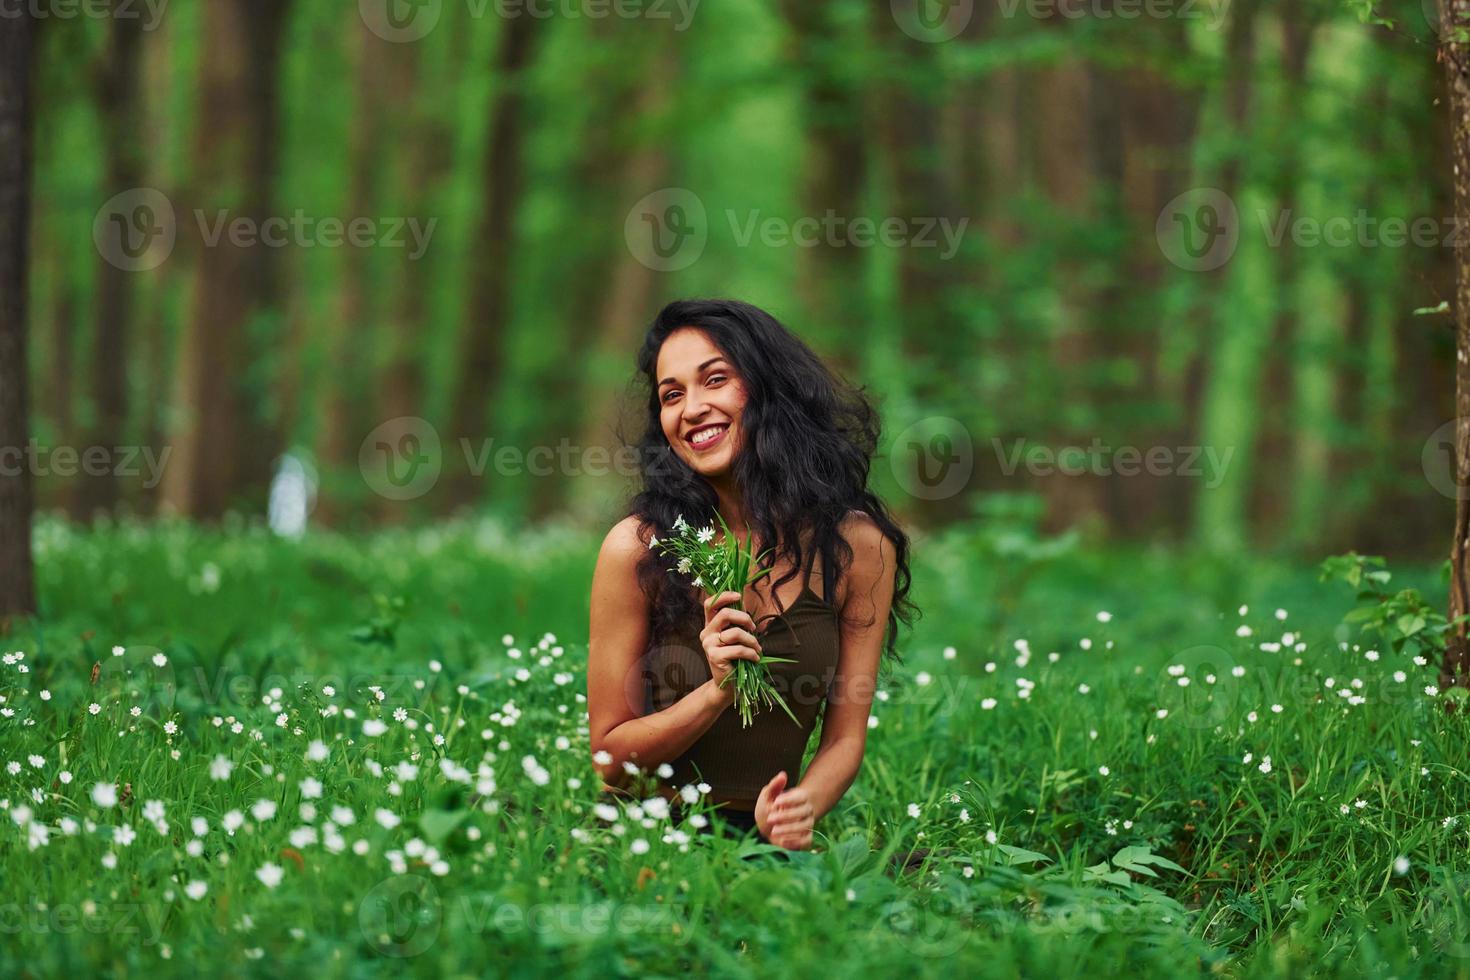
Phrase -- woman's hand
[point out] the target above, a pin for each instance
(728, 636)
(785, 816)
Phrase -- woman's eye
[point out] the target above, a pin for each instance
(716, 379)
(669, 394)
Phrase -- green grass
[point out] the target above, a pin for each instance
(1025, 857)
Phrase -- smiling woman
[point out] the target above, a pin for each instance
(745, 422)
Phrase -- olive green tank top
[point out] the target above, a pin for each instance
(737, 762)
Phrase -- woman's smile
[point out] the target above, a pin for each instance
(705, 437)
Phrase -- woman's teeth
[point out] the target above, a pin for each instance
(706, 435)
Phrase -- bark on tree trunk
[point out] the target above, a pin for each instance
(17, 588)
(488, 315)
(342, 405)
(1455, 55)
(117, 93)
(224, 449)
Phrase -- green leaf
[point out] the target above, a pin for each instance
(1135, 856)
(437, 825)
(1019, 855)
(1410, 624)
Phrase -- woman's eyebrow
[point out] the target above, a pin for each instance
(669, 381)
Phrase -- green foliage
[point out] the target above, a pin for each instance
(1403, 621)
(381, 629)
(980, 837)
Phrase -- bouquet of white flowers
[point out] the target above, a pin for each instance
(724, 566)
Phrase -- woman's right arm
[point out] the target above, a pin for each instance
(617, 640)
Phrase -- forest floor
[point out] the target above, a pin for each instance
(231, 753)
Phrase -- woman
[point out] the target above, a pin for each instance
(744, 419)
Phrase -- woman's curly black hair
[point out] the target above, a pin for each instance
(809, 439)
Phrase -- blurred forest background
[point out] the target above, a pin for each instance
(1055, 137)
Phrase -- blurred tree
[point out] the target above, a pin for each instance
(488, 311)
(1455, 54)
(17, 36)
(116, 91)
(828, 60)
(223, 449)
(345, 412)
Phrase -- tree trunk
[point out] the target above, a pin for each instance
(222, 453)
(17, 587)
(118, 97)
(489, 309)
(831, 281)
(630, 294)
(343, 408)
(1455, 56)
(422, 152)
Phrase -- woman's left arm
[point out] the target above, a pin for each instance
(865, 603)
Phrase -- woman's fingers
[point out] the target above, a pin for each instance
(719, 601)
(734, 652)
(731, 617)
(792, 821)
(735, 636)
(792, 804)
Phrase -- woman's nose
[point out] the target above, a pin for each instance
(694, 408)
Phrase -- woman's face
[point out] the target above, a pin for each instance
(701, 398)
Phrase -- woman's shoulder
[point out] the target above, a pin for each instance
(859, 528)
(627, 540)
(872, 549)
